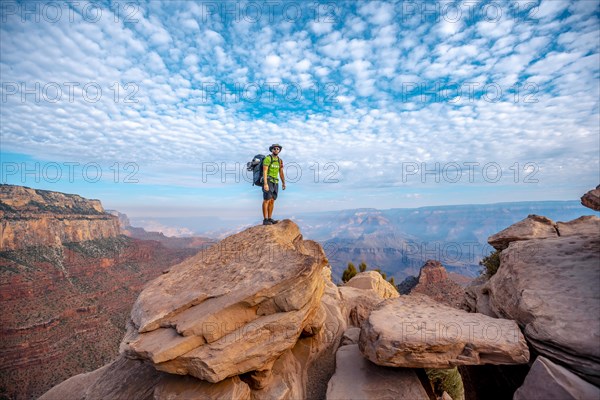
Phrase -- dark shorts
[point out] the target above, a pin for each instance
(272, 193)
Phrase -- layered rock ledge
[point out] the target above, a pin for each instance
(34, 217)
(550, 287)
(415, 331)
(232, 309)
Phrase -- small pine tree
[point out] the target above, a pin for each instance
(349, 272)
(362, 267)
(392, 281)
(491, 263)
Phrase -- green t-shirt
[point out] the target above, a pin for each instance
(273, 165)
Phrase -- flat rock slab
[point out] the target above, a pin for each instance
(358, 378)
(585, 225)
(532, 227)
(549, 381)
(233, 308)
(417, 332)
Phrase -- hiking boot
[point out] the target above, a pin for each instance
(267, 221)
(273, 221)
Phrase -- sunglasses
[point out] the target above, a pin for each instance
(277, 148)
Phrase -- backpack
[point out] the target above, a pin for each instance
(256, 166)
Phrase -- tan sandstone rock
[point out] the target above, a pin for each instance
(303, 371)
(532, 227)
(172, 387)
(362, 293)
(350, 336)
(587, 225)
(123, 378)
(592, 199)
(136, 380)
(550, 287)
(234, 307)
(372, 280)
(415, 331)
(549, 381)
(358, 378)
(34, 217)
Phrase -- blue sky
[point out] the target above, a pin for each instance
(376, 104)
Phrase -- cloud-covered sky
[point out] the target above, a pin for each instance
(377, 104)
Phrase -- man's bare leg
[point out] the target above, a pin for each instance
(265, 208)
(270, 208)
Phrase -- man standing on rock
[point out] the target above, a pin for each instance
(272, 170)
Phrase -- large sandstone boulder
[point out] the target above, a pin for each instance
(549, 381)
(550, 287)
(257, 317)
(357, 378)
(303, 371)
(592, 199)
(233, 308)
(532, 227)
(415, 331)
(372, 280)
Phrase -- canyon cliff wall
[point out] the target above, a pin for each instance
(32, 217)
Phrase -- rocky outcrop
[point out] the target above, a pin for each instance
(532, 227)
(33, 217)
(256, 316)
(435, 283)
(585, 225)
(417, 332)
(135, 380)
(357, 378)
(362, 293)
(372, 280)
(258, 291)
(549, 285)
(546, 380)
(592, 199)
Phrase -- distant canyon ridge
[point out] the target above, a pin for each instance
(397, 241)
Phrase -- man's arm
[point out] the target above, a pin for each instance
(281, 174)
(265, 169)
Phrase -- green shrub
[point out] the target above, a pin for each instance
(446, 380)
(490, 264)
(362, 267)
(349, 272)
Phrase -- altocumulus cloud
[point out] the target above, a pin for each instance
(371, 90)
